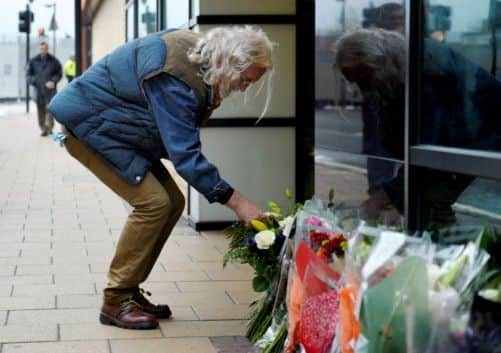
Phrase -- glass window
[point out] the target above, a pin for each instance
(359, 128)
(453, 199)
(147, 17)
(177, 13)
(481, 199)
(130, 21)
(461, 96)
(7, 69)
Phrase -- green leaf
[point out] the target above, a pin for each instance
(273, 207)
(277, 345)
(237, 232)
(259, 284)
(241, 255)
(288, 194)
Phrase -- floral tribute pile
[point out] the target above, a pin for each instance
(332, 283)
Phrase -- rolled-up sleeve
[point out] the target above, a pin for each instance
(174, 107)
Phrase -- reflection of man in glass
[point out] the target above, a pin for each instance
(388, 16)
(460, 106)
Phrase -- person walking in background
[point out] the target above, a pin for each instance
(70, 68)
(44, 72)
(143, 102)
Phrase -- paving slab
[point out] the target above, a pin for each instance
(58, 347)
(59, 226)
(184, 345)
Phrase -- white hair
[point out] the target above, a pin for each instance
(382, 51)
(225, 52)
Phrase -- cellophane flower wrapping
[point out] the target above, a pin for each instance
(313, 299)
(409, 294)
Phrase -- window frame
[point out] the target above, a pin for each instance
(134, 4)
(418, 156)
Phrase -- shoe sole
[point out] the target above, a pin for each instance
(111, 321)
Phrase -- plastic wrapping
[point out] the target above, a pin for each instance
(409, 294)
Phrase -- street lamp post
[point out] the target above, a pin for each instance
(53, 25)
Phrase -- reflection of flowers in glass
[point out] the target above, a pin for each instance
(264, 239)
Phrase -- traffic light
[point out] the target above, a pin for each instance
(439, 18)
(25, 19)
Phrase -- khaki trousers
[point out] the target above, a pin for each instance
(158, 203)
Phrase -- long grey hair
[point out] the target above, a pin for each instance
(383, 52)
(225, 52)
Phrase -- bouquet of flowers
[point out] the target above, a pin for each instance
(406, 294)
(313, 297)
(262, 245)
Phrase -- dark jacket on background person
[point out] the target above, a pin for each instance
(143, 102)
(39, 72)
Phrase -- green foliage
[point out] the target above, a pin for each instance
(237, 232)
(240, 254)
(277, 346)
(273, 207)
(259, 283)
(266, 265)
(260, 317)
(290, 201)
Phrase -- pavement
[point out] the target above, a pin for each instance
(58, 230)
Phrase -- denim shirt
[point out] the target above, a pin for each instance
(174, 107)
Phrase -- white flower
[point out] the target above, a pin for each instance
(264, 239)
(490, 294)
(287, 224)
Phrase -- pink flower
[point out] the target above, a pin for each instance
(314, 221)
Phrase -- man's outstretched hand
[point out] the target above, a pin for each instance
(372, 207)
(243, 208)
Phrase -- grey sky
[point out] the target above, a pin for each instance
(65, 14)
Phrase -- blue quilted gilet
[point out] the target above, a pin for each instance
(107, 111)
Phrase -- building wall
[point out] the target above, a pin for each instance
(244, 7)
(108, 27)
(9, 68)
(259, 161)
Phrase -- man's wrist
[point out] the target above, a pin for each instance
(234, 200)
(226, 196)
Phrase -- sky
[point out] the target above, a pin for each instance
(65, 15)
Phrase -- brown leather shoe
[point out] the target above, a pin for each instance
(127, 315)
(159, 311)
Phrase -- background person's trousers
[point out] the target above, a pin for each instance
(158, 203)
(45, 119)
